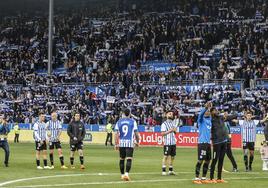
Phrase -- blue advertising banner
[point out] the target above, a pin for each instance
(142, 128)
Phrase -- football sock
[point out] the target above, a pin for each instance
(251, 158)
(246, 160)
(81, 160)
(122, 166)
(163, 168)
(51, 159)
(128, 165)
(72, 160)
(61, 160)
(205, 169)
(197, 169)
(37, 162)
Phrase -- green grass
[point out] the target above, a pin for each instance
(146, 169)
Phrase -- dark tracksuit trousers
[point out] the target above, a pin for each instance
(219, 151)
(229, 154)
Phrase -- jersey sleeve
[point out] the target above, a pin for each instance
(135, 126)
(60, 125)
(241, 122)
(47, 125)
(116, 128)
(163, 128)
(36, 135)
(256, 122)
(177, 122)
(201, 115)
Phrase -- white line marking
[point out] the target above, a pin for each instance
(73, 175)
(123, 182)
(105, 174)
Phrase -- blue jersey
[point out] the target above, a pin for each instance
(126, 128)
(204, 127)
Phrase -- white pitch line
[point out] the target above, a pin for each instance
(93, 174)
(73, 175)
(123, 182)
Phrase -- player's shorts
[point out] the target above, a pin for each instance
(170, 150)
(204, 151)
(40, 146)
(56, 145)
(249, 145)
(125, 152)
(76, 146)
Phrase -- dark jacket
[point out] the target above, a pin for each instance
(76, 129)
(219, 132)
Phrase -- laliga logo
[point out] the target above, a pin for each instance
(153, 138)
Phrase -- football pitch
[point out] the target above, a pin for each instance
(102, 169)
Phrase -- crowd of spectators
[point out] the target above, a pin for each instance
(107, 54)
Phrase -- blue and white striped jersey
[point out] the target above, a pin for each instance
(55, 128)
(126, 127)
(248, 130)
(169, 139)
(40, 133)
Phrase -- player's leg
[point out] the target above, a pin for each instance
(72, 159)
(122, 156)
(251, 158)
(107, 137)
(37, 155)
(81, 155)
(216, 151)
(197, 179)
(165, 159)
(59, 148)
(263, 164)
(51, 153)
(222, 152)
(245, 152)
(44, 151)
(111, 139)
(230, 156)
(73, 149)
(129, 157)
(198, 164)
(171, 160)
(207, 161)
(81, 158)
(266, 164)
(6, 149)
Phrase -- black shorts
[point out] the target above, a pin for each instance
(40, 146)
(56, 145)
(170, 150)
(249, 145)
(204, 151)
(125, 152)
(76, 146)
